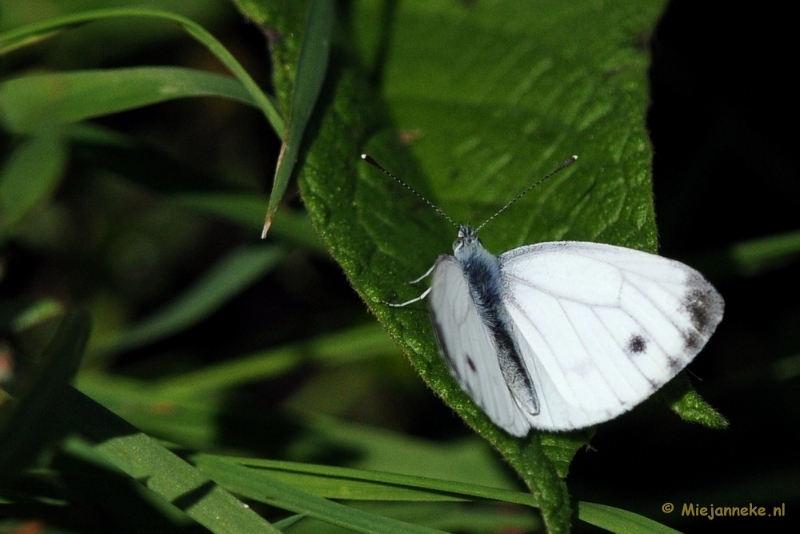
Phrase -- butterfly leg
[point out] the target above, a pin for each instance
(412, 301)
(419, 298)
(424, 276)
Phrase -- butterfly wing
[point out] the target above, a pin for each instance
(602, 327)
(466, 345)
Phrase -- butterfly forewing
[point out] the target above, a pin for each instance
(468, 349)
(602, 327)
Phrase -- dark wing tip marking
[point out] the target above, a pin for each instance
(704, 307)
(674, 364)
(692, 341)
(703, 304)
(696, 302)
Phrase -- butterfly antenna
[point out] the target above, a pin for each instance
(558, 169)
(439, 210)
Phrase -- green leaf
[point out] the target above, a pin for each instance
(491, 95)
(238, 270)
(468, 460)
(30, 34)
(766, 253)
(79, 95)
(22, 316)
(355, 484)
(311, 68)
(283, 524)
(332, 350)
(107, 439)
(30, 176)
(260, 487)
(101, 148)
(43, 386)
(620, 521)
(359, 484)
(691, 407)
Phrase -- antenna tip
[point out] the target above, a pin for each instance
(569, 161)
(368, 159)
(574, 157)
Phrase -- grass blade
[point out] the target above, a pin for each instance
(311, 69)
(238, 270)
(21, 425)
(76, 96)
(18, 37)
(114, 442)
(30, 176)
(620, 521)
(258, 486)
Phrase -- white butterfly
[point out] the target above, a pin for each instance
(564, 335)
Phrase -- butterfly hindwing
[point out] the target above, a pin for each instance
(602, 327)
(467, 347)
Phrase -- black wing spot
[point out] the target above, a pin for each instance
(471, 363)
(674, 364)
(636, 345)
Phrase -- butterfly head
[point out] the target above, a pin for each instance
(467, 241)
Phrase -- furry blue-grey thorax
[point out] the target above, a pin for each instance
(481, 269)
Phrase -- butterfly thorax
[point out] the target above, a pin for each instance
(483, 274)
(482, 271)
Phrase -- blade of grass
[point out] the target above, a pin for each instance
(76, 96)
(22, 317)
(239, 269)
(114, 442)
(311, 68)
(259, 487)
(340, 347)
(30, 176)
(765, 253)
(354, 484)
(21, 421)
(458, 517)
(17, 37)
(283, 524)
(347, 483)
(142, 163)
(620, 521)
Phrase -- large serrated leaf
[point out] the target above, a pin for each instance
(490, 96)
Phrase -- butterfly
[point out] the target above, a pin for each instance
(564, 335)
